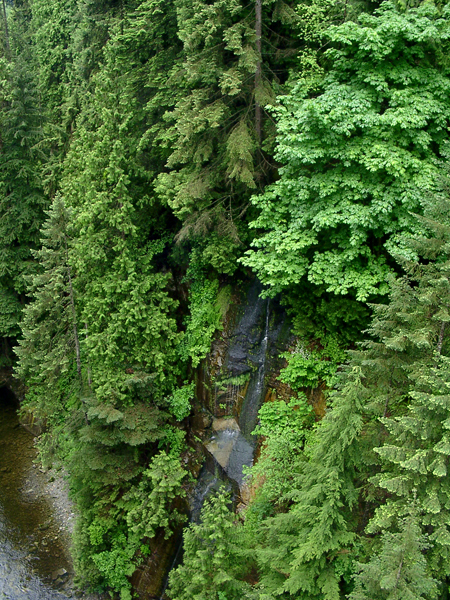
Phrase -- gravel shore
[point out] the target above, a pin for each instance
(52, 485)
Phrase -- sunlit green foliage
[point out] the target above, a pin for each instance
(133, 134)
(358, 157)
(311, 367)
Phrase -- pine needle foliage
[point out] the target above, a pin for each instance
(214, 559)
(236, 57)
(48, 350)
(387, 417)
(22, 201)
(399, 571)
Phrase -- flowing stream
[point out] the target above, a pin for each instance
(34, 561)
(232, 444)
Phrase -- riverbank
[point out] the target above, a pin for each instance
(52, 484)
(36, 519)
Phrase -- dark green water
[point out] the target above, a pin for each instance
(32, 546)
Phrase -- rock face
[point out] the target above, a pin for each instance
(149, 579)
(15, 389)
(233, 382)
(230, 449)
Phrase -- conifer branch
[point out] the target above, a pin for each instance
(7, 46)
(258, 31)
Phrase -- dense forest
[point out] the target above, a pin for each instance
(155, 158)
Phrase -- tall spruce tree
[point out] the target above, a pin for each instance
(399, 571)
(415, 457)
(392, 399)
(130, 333)
(49, 348)
(22, 201)
(214, 560)
(236, 58)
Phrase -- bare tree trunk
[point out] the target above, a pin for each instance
(258, 74)
(88, 368)
(75, 328)
(8, 49)
(441, 337)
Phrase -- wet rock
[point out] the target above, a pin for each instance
(224, 423)
(230, 449)
(60, 573)
(149, 578)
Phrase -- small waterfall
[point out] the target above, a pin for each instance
(232, 446)
(234, 386)
(252, 403)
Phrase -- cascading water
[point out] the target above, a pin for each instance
(255, 394)
(234, 380)
(232, 444)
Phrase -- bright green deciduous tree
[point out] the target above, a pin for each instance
(358, 157)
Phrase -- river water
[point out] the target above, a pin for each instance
(34, 561)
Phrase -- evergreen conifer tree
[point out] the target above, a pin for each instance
(49, 348)
(214, 560)
(415, 456)
(22, 201)
(392, 397)
(129, 330)
(236, 57)
(399, 571)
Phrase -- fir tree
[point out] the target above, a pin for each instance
(415, 456)
(22, 201)
(399, 571)
(214, 560)
(129, 331)
(49, 349)
(236, 57)
(307, 550)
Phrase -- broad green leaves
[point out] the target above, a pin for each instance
(357, 158)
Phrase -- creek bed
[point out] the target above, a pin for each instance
(34, 558)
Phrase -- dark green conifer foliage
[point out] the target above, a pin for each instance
(305, 550)
(22, 201)
(236, 57)
(125, 305)
(114, 525)
(415, 457)
(399, 571)
(214, 560)
(358, 157)
(53, 24)
(130, 333)
(308, 549)
(49, 348)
